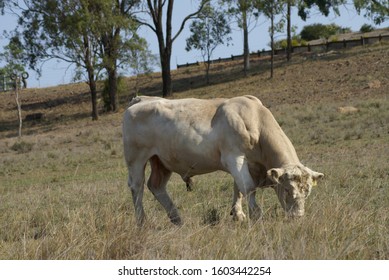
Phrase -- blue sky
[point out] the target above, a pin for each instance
(57, 72)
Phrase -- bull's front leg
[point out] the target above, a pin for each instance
(237, 211)
(244, 187)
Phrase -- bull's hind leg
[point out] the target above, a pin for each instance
(136, 181)
(157, 182)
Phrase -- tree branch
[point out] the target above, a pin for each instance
(203, 3)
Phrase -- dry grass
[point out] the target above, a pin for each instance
(63, 191)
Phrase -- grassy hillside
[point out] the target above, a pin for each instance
(63, 192)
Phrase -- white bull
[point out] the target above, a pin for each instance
(193, 136)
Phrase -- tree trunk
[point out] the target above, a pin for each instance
(272, 41)
(113, 86)
(166, 76)
(207, 67)
(246, 51)
(91, 77)
(93, 91)
(289, 31)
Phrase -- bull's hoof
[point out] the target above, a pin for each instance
(176, 220)
(238, 216)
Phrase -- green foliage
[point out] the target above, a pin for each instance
(366, 28)
(324, 6)
(94, 35)
(208, 32)
(121, 89)
(296, 42)
(13, 56)
(376, 10)
(319, 31)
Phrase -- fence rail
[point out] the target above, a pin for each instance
(323, 47)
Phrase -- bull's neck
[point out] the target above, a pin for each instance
(277, 149)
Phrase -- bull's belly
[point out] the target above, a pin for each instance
(189, 164)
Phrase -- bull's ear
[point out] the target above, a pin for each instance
(315, 177)
(274, 174)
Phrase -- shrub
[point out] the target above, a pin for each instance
(22, 147)
(319, 31)
(366, 28)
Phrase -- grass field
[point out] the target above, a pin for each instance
(63, 192)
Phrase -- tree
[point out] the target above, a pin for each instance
(116, 20)
(87, 33)
(13, 57)
(319, 31)
(324, 7)
(142, 64)
(155, 10)
(270, 9)
(243, 11)
(207, 33)
(377, 10)
(62, 30)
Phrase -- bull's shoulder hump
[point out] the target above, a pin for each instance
(245, 102)
(143, 99)
(253, 98)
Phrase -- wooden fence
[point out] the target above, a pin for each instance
(323, 47)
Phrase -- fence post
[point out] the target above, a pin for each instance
(344, 43)
(362, 41)
(309, 47)
(232, 57)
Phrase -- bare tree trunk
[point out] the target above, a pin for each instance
(93, 91)
(272, 41)
(289, 31)
(17, 80)
(155, 9)
(166, 76)
(91, 77)
(113, 86)
(246, 51)
(207, 67)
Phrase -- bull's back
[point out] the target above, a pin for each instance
(186, 134)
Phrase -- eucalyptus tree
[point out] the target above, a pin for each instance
(210, 30)
(271, 9)
(12, 56)
(244, 12)
(116, 32)
(155, 12)
(91, 34)
(377, 10)
(62, 30)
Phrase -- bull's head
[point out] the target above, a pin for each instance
(293, 185)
